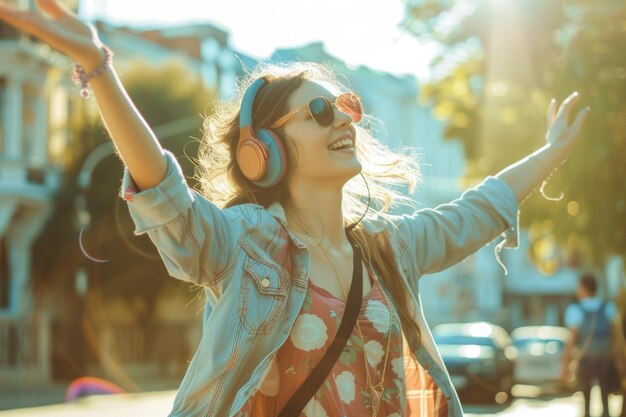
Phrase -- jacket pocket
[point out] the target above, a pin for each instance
(263, 295)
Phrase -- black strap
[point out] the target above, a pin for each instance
(316, 378)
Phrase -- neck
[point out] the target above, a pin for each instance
(318, 215)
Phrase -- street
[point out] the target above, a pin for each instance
(157, 404)
(529, 402)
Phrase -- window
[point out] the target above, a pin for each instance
(29, 122)
(4, 275)
(3, 114)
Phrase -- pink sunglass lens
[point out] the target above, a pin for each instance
(350, 104)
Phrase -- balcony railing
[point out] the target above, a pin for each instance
(43, 350)
(24, 345)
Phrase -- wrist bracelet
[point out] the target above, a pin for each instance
(544, 169)
(79, 76)
(546, 176)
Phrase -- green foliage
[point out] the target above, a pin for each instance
(168, 93)
(165, 96)
(593, 62)
(503, 60)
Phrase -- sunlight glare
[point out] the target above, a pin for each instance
(470, 351)
(358, 32)
(480, 330)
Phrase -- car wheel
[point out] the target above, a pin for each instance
(505, 395)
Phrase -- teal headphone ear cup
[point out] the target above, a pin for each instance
(277, 158)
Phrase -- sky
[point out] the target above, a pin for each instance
(359, 32)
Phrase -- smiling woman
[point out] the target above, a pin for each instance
(292, 238)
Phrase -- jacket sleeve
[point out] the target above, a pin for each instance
(438, 238)
(195, 239)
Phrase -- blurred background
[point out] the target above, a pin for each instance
(465, 81)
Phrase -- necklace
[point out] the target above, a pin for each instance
(376, 390)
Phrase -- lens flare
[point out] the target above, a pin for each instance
(82, 249)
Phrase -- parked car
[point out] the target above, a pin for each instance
(480, 358)
(540, 357)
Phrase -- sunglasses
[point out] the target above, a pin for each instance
(322, 110)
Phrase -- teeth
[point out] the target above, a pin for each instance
(340, 144)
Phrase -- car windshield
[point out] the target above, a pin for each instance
(527, 343)
(464, 340)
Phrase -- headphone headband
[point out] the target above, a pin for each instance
(245, 113)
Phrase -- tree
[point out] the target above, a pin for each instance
(166, 96)
(502, 62)
(592, 61)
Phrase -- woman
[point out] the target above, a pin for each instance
(276, 242)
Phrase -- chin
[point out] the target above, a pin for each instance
(354, 167)
(353, 172)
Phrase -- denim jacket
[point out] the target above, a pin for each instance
(255, 273)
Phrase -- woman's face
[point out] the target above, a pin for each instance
(310, 143)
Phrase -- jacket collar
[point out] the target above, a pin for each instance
(373, 225)
(278, 211)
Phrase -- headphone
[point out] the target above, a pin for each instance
(260, 155)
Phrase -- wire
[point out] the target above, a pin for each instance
(369, 200)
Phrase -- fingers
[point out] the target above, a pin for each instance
(581, 117)
(22, 20)
(568, 104)
(551, 111)
(53, 8)
(12, 16)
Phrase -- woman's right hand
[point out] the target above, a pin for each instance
(59, 28)
(64, 31)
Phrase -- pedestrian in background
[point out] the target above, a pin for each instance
(619, 346)
(590, 320)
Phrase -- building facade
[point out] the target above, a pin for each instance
(34, 114)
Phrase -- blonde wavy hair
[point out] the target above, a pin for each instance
(386, 172)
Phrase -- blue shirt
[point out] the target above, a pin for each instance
(254, 294)
(574, 316)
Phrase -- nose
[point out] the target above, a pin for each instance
(341, 119)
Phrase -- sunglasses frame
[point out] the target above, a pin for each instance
(283, 120)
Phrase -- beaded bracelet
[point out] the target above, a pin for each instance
(79, 76)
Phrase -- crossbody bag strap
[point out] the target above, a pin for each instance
(316, 378)
(587, 342)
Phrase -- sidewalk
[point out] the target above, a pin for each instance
(32, 394)
(159, 404)
(153, 404)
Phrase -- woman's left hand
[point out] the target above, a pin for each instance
(561, 134)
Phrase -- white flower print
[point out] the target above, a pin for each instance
(314, 409)
(374, 352)
(378, 313)
(271, 383)
(397, 365)
(346, 386)
(309, 332)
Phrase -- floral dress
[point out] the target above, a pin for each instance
(408, 390)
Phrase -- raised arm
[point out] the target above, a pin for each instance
(526, 174)
(62, 30)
